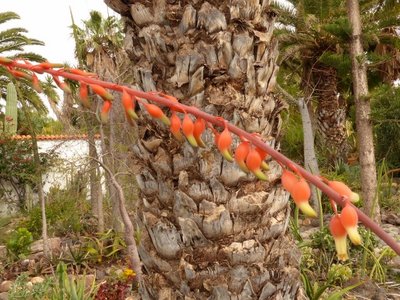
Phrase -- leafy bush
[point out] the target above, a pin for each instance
(386, 117)
(19, 243)
(38, 291)
(65, 211)
(292, 136)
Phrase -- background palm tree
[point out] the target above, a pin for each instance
(314, 43)
(99, 49)
(206, 228)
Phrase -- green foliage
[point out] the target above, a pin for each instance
(105, 246)
(16, 160)
(292, 140)
(65, 211)
(58, 287)
(42, 124)
(18, 244)
(68, 287)
(38, 291)
(386, 118)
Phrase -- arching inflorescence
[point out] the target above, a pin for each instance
(188, 123)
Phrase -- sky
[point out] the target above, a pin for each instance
(49, 21)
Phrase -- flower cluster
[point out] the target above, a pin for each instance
(189, 124)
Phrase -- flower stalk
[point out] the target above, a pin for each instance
(165, 100)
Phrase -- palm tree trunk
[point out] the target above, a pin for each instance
(331, 111)
(363, 114)
(207, 228)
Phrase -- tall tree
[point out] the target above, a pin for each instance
(207, 228)
(99, 48)
(363, 113)
(314, 43)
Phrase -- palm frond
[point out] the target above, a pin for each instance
(31, 56)
(7, 16)
(6, 34)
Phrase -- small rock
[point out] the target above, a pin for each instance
(37, 279)
(5, 286)
(394, 263)
(100, 274)
(4, 296)
(29, 285)
(54, 245)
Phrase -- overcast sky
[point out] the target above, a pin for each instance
(49, 21)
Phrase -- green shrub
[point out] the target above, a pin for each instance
(386, 118)
(65, 211)
(292, 136)
(18, 244)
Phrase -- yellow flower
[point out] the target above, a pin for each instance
(129, 273)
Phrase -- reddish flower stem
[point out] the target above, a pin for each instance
(216, 120)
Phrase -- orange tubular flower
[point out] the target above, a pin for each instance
(301, 193)
(129, 105)
(288, 180)
(157, 113)
(224, 144)
(339, 235)
(81, 72)
(344, 190)
(36, 84)
(105, 112)
(349, 219)
(175, 127)
(62, 85)
(188, 129)
(83, 95)
(263, 155)
(241, 154)
(253, 163)
(199, 127)
(102, 92)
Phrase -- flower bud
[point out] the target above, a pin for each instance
(241, 154)
(224, 144)
(349, 219)
(188, 129)
(301, 192)
(253, 163)
(339, 235)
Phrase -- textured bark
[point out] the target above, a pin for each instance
(208, 229)
(96, 193)
(363, 114)
(331, 111)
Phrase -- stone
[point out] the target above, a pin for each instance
(5, 286)
(394, 263)
(4, 296)
(37, 279)
(54, 245)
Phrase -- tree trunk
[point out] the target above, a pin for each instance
(331, 112)
(117, 135)
(207, 228)
(96, 193)
(38, 178)
(363, 114)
